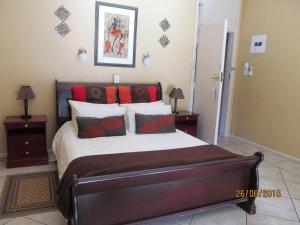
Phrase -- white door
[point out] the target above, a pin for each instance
(208, 84)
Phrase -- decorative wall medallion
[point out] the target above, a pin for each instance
(164, 24)
(164, 41)
(63, 29)
(62, 13)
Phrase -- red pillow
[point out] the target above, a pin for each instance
(89, 127)
(95, 94)
(137, 94)
(153, 124)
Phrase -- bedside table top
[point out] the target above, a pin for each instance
(185, 113)
(19, 120)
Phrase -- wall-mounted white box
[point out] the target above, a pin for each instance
(258, 44)
(116, 78)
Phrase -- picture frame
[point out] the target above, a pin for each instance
(115, 35)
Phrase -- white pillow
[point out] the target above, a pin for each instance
(146, 110)
(84, 109)
(128, 105)
(77, 103)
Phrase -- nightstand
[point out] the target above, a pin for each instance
(187, 122)
(26, 141)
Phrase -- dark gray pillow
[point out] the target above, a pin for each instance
(154, 124)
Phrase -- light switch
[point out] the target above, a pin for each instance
(116, 78)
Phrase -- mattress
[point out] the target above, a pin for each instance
(67, 146)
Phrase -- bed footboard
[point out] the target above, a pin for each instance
(140, 195)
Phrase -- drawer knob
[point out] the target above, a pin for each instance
(26, 142)
(187, 118)
(27, 153)
(26, 125)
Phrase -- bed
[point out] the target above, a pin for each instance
(127, 179)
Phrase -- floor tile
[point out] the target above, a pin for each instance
(297, 205)
(248, 149)
(229, 141)
(232, 149)
(277, 207)
(268, 220)
(49, 218)
(29, 169)
(174, 220)
(271, 183)
(290, 177)
(23, 221)
(5, 221)
(294, 190)
(222, 216)
(266, 171)
(290, 166)
(271, 157)
(2, 165)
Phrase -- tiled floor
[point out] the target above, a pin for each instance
(276, 172)
(51, 218)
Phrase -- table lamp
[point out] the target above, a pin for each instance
(25, 94)
(176, 93)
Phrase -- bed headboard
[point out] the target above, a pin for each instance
(64, 93)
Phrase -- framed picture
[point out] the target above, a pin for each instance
(115, 35)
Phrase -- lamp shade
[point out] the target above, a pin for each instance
(176, 93)
(26, 93)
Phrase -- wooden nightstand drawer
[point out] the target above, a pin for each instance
(180, 118)
(191, 130)
(26, 141)
(187, 122)
(24, 125)
(17, 153)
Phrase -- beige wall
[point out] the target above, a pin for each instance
(267, 109)
(33, 53)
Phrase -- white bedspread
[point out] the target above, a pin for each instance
(67, 146)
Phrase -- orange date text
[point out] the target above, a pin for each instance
(260, 193)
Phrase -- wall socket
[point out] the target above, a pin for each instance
(116, 78)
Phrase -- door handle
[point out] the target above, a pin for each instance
(215, 76)
(222, 76)
(213, 90)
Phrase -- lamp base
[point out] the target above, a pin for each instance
(26, 117)
(175, 107)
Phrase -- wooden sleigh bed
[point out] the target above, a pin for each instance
(132, 196)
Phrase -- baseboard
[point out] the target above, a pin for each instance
(3, 155)
(267, 149)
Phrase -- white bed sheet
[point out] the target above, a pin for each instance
(67, 146)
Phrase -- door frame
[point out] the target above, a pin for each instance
(226, 86)
(195, 50)
(199, 4)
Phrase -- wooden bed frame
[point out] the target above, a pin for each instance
(141, 195)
